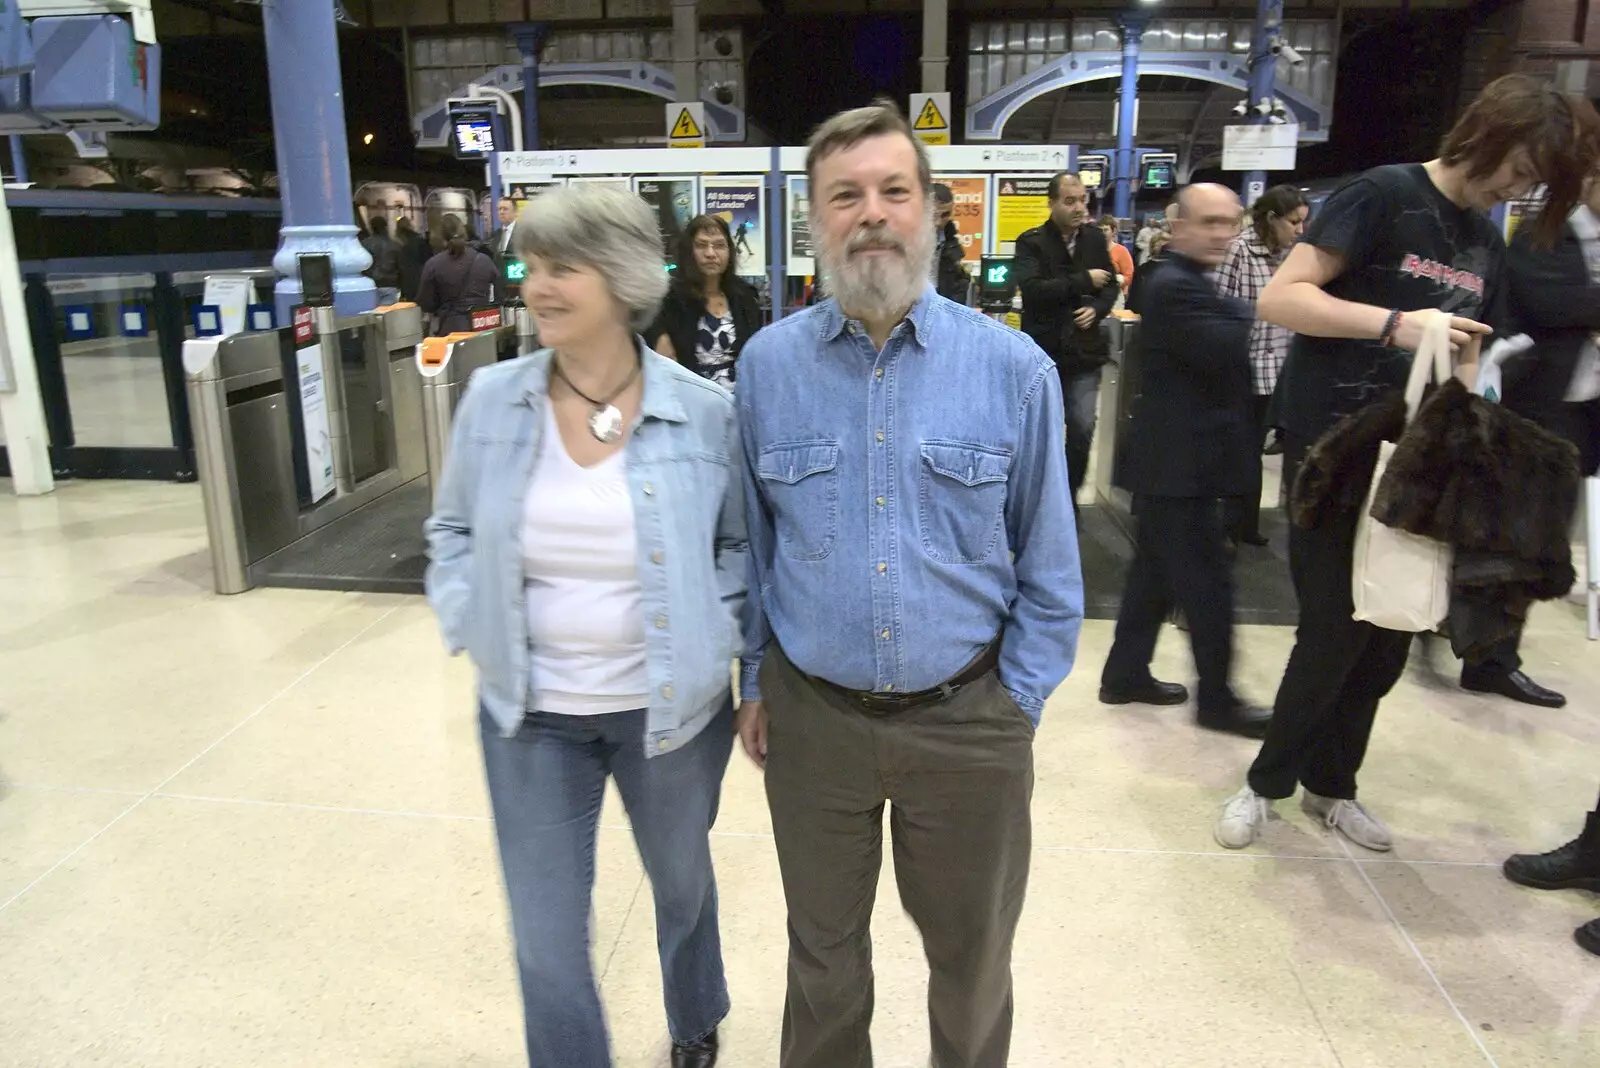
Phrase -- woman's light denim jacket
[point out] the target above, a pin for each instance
(684, 481)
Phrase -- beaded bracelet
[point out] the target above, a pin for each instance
(1390, 327)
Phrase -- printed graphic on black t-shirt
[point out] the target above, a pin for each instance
(1406, 246)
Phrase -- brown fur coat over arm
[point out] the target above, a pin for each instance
(1498, 488)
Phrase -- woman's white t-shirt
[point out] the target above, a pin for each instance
(581, 572)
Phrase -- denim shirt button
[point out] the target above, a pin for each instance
(661, 622)
(664, 743)
(666, 691)
(658, 557)
(649, 489)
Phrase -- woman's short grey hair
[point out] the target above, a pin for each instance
(602, 227)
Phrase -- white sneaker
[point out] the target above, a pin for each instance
(1351, 819)
(1243, 816)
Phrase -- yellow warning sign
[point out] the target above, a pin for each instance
(931, 123)
(685, 128)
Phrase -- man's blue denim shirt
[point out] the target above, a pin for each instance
(907, 506)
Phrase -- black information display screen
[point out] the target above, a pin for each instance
(1158, 171)
(472, 129)
(316, 281)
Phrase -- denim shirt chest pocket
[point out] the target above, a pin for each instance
(961, 497)
(800, 480)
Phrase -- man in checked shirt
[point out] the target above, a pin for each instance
(1276, 221)
(915, 598)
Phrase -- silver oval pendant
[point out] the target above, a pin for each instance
(606, 424)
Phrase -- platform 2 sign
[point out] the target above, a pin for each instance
(930, 117)
(313, 407)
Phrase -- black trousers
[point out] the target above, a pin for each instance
(1179, 559)
(1580, 424)
(1338, 672)
(1244, 513)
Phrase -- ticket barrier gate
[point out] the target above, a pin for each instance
(1119, 387)
(445, 364)
(340, 508)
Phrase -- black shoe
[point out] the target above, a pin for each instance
(1588, 936)
(1258, 540)
(1149, 693)
(701, 1054)
(1574, 866)
(1516, 686)
(1247, 721)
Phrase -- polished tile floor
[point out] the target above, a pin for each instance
(253, 831)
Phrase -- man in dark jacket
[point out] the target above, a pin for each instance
(414, 253)
(1555, 300)
(1063, 270)
(1191, 443)
(950, 275)
(385, 253)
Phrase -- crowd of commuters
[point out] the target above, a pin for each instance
(894, 564)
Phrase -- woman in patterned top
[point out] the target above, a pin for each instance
(1277, 219)
(710, 312)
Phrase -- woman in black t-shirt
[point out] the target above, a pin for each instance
(1390, 250)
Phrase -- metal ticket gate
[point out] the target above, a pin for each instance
(312, 448)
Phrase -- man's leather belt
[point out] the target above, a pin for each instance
(880, 703)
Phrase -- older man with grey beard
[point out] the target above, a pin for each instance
(915, 599)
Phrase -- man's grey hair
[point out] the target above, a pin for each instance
(848, 129)
(611, 230)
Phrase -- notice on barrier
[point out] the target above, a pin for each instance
(313, 406)
(970, 212)
(1022, 201)
(232, 295)
(741, 203)
(801, 258)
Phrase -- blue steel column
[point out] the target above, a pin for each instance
(530, 38)
(19, 160)
(1263, 72)
(1127, 104)
(313, 153)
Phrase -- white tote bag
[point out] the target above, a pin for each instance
(1400, 581)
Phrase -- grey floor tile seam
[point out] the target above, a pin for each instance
(230, 732)
(622, 929)
(60, 788)
(1422, 959)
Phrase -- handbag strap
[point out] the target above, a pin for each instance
(1432, 361)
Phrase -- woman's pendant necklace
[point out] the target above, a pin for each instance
(605, 422)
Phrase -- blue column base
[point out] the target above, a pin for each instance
(353, 292)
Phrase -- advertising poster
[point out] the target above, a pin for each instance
(741, 203)
(970, 213)
(1021, 202)
(313, 407)
(801, 258)
(673, 200)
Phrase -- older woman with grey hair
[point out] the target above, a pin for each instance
(587, 550)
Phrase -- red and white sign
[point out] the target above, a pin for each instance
(485, 319)
(304, 331)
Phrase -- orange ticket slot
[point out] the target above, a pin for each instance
(434, 350)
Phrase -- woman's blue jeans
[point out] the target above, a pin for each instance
(546, 785)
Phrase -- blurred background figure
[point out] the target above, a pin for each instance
(455, 281)
(1276, 221)
(950, 273)
(385, 253)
